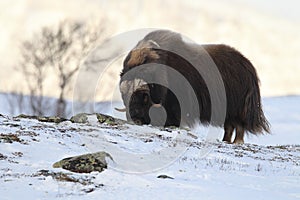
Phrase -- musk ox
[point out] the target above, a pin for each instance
(166, 81)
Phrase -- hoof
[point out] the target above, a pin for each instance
(238, 142)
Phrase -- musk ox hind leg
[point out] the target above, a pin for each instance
(239, 135)
(228, 131)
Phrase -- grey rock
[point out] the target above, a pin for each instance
(85, 163)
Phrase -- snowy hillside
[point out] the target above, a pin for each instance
(283, 114)
(149, 162)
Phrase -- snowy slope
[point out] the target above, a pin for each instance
(197, 169)
(283, 114)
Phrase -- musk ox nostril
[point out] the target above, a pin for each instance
(137, 122)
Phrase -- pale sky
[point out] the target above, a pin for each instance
(260, 29)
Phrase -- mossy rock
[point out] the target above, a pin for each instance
(109, 119)
(105, 118)
(25, 116)
(53, 119)
(79, 118)
(85, 163)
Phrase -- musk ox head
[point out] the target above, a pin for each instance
(145, 81)
(135, 84)
(137, 99)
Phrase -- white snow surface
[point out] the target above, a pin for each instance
(266, 167)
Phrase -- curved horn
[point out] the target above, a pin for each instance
(153, 43)
(157, 105)
(120, 109)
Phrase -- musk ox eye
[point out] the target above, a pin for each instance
(145, 60)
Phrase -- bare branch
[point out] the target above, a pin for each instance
(60, 48)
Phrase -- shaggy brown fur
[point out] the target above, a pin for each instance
(140, 55)
(243, 101)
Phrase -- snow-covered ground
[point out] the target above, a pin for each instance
(283, 114)
(266, 167)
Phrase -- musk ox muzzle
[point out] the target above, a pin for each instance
(137, 100)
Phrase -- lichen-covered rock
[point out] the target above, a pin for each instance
(25, 116)
(105, 118)
(79, 118)
(85, 163)
(109, 119)
(53, 119)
